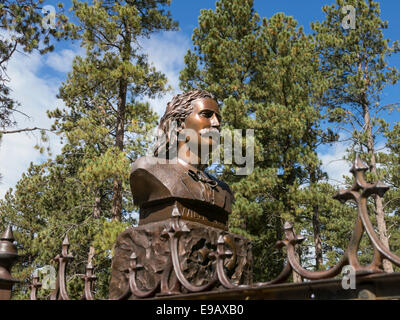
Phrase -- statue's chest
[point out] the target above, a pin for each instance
(204, 190)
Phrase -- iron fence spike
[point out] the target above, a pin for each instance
(8, 234)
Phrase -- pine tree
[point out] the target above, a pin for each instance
(390, 166)
(104, 90)
(84, 192)
(22, 29)
(49, 202)
(264, 73)
(355, 60)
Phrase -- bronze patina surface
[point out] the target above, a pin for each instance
(183, 212)
(180, 259)
(8, 257)
(200, 197)
(177, 175)
(157, 274)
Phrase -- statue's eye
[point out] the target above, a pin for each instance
(207, 113)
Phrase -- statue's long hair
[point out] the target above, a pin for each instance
(178, 109)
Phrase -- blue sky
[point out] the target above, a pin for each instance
(35, 79)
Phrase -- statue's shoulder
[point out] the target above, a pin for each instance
(152, 166)
(144, 163)
(151, 179)
(154, 179)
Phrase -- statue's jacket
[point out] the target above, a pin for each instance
(159, 185)
(160, 188)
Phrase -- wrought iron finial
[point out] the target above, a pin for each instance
(134, 266)
(89, 278)
(291, 235)
(358, 165)
(8, 256)
(65, 246)
(60, 292)
(8, 235)
(35, 285)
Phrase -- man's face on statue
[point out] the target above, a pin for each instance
(202, 126)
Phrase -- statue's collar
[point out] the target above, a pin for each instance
(198, 175)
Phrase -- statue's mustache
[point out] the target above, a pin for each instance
(209, 131)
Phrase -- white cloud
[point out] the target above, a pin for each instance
(36, 93)
(16, 153)
(334, 165)
(62, 61)
(166, 51)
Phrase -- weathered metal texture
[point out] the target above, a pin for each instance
(89, 278)
(175, 176)
(35, 286)
(180, 259)
(159, 187)
(174, 257)
(8, 257)
(359, 192)
(376, 286)
(60, 292)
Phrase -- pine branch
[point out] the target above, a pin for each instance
(22, 130)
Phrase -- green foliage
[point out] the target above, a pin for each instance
(391, 168)
(267, 75)
(105, 115)
(85, 192)
(356, 61)
(21, 27)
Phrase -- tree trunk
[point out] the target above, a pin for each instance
(125, 52)
(316, 225)
(119, 143)
(317, 238)
(380, 214)
(97, 203)
(117, 200)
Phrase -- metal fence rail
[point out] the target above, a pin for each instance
(370, 278)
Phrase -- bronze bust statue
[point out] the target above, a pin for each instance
(183, 210)
(157, 186)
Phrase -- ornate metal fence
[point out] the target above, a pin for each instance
(176, 227)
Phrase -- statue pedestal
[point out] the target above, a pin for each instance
(152, 266)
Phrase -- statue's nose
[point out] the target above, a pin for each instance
(215, 121)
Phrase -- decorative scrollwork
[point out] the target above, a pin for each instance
(133, 268)
(221, 256)
(290, 242)
(359, 192)
(225, 255)
(175, 229)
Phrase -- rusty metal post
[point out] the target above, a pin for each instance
(89, 278)
(35, 285)
(8, 256)
(60, 292)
